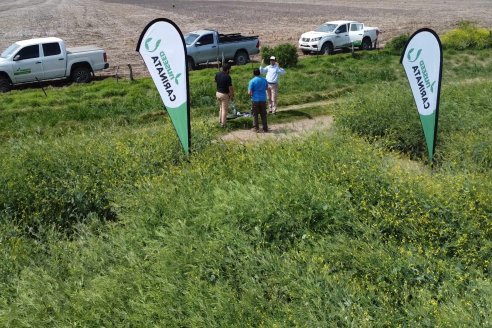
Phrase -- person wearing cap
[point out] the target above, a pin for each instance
(225, 92)
(257, 88)
(272, 71)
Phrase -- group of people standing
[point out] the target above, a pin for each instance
(258, 89)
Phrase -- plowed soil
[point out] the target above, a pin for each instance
(116, 24)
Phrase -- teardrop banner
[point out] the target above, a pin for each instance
(422, 60)
(163, 50)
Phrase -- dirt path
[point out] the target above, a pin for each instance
(286, 130)
(282, 130)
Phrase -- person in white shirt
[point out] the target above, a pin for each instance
(273, 71)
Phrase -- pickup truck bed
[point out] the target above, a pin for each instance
(73, 50)
(234, 37)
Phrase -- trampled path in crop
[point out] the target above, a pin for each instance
(286, 130)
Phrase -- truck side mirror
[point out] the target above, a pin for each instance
(198, 43)
(16, 57)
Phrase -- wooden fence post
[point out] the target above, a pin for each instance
(131, 72)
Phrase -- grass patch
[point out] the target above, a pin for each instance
(340, 243)
(104, 221)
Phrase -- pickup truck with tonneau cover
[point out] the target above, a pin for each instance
(206, 45)
(46, 59)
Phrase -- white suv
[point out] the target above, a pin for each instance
(338, 34)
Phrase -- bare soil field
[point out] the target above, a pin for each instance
(116, 24)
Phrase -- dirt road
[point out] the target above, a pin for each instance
(116, 24)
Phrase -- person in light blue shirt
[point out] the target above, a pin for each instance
(257, 89)
(273, 71)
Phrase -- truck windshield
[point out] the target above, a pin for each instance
(327, 28)
(10, 50)
(190, 38)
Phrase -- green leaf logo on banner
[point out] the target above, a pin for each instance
(409, 55)
(176, 78)
(158, 43)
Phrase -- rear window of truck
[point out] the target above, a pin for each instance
(51, 49)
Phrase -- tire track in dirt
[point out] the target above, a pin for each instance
(20, 5)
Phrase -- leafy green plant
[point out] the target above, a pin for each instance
(286, 54)
(397, 44)
(467, 36)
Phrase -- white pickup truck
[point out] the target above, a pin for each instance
(336, 35)
(204, 46)
(47, 58)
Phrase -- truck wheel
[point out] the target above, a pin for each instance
(81, 74)
(190, 64)
(366, 44)
(327, 49)
(5, 85)
(241, 57)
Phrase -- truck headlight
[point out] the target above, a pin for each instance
(316, 39)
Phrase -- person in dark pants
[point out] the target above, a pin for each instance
(257, 89)
(225, 92)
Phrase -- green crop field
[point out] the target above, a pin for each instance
(104, 222)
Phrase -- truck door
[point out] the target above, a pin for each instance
(342, 36)
(27, 65)
(54, 61)
(206, 48)
(356, 34)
